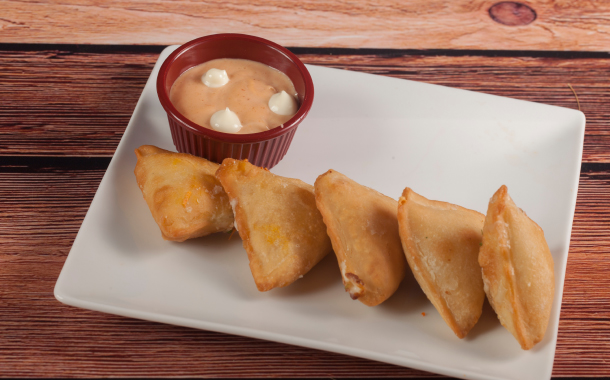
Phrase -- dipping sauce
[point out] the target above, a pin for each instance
(247, 93)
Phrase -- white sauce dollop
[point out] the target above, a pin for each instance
(225, 121)
(215, 78)
(283, 104)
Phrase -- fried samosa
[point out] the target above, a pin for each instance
(185, 198)
(363, 228)
(517, 270)
(441, 242)
(277, 219)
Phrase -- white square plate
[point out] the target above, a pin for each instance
(387, 134)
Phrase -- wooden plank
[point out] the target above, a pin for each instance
(586, 298)
(66, 103)
(42, 210)
(78, 104)
(415, 24)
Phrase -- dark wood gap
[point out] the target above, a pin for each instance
(594, 167)
(29, 164)
(392, 53)
(36, 164)
(386, 53)
(83, 48)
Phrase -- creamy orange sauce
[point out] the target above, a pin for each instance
(251, 85)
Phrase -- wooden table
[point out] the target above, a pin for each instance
(71, 73)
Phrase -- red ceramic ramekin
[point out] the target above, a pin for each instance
(264, 149)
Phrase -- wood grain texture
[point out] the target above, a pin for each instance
(586, 297)
(42, 209)
(67, 103)
(74, 104)
(420, 24)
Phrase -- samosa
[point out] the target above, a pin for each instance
(183, 195)
(441, 242)
(277, 219)
(517, 270)
(363, 228)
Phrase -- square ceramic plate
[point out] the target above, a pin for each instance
(446, 144)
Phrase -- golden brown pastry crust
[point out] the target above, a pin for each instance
(363, 228)
(277, 219)
(184, 197)
(441, 242)
(517, 270)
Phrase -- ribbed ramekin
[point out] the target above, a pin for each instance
(264, 149)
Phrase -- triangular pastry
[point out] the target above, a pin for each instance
(277, 219)
(517, 270)
(363, 228)
(441, 242)
(183, 195)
